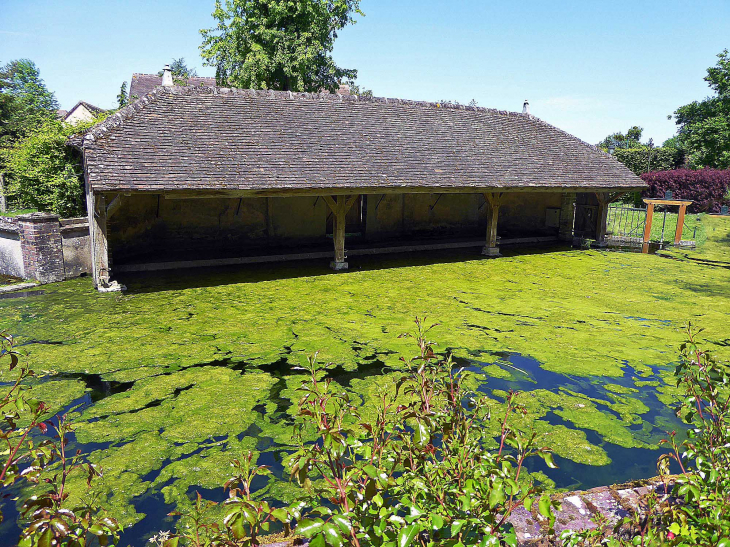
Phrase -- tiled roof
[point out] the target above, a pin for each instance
(180, 138)
(143, 84)
(90, 107)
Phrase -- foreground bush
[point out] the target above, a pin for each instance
(420, 467)
(706, 187)
(49, 519)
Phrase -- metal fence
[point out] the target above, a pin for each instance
(626, 224)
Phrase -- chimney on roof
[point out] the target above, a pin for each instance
(526, 107)
(344, 89)
(167, 76)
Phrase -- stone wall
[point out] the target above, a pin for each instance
(39, 246)
(76, 246)
(11, 255)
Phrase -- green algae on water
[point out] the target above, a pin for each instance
(206, 360)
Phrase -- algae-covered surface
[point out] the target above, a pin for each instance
(186, 370)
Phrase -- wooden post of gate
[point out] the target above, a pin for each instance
(680, 224)
(647, 226)
(650, 203)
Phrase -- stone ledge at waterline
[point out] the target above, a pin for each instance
(42, 247)
(579, 511)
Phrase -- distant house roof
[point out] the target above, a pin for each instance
(142, 84)
(202, 138)
(61, 114)
(75, 114)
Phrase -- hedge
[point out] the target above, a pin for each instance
(640, 162)
(707, 188)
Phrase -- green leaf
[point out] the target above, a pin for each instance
(280, 514)
(317, 541)
(456, 527)
(422, 435)
(544, 507)
(549, 460)
(172, 542)
(496, 496)
(332, 535)
(371, 471)
(406, 535)
(437, 521)
(236, 526)
(45, 539)
(343, 522)
(309, 527)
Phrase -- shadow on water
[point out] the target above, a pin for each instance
(20, 294)
(179, 279)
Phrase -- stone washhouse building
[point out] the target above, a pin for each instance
(200, 175)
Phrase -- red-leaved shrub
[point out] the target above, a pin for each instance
(705, 187)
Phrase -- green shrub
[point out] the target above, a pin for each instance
(44, 172)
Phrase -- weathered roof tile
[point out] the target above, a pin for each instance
(180, 138)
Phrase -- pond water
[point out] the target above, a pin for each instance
(190, 369)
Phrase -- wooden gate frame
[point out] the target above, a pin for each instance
(650, 203)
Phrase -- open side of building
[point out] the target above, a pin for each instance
(206, 175)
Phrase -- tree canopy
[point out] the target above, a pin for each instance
(25, 102)
(278, 44)
(704, 126)
(631, 139)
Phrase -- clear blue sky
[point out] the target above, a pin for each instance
(588, 67)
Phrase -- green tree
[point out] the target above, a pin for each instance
(278, 44)
(25, 102)
(123, 97)
(632, 139)
(704, 126)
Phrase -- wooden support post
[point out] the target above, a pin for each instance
(494, 199)
(647, 227)
(113, 206)
(601, 222)
(680, 224)
(99, 246)
(339, 205)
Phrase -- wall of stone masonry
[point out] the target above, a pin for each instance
(579, 509)
(11, 255)
(39, 246)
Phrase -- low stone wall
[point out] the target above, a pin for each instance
(40, 246)
(580, 509)
(11, 255)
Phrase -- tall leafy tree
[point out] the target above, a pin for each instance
(631, 139)
(278, 44)
(704, 126)
(25, 101)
